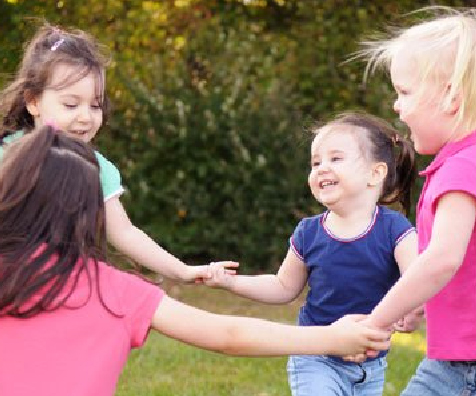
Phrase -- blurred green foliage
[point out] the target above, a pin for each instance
(213, 103)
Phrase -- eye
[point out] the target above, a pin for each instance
(315, 163)
(69, 105)
(96, 107)
(336, 158)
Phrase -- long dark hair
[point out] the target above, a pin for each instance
(51, 222)
(385, 144)
(51, 46)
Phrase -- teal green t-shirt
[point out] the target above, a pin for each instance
(108, 173)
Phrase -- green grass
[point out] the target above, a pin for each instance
(166, 367)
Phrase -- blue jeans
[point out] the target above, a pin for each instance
(437, 377)
(325, 376)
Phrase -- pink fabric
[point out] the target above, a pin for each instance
(78, 352)
(451, 314)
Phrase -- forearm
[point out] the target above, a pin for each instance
(235, 335)
(426, 277)
(137, 245)
(256, 337)
(264, 288)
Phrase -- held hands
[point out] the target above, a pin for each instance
(211, 274)
(221, 274)
(410, 322)
(355, 338)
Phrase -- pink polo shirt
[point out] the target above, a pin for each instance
(451, 314)
(78, 352)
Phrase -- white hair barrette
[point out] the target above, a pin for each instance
(55, 46)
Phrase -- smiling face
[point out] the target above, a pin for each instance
(340, 175)
(71, 106)
(420, 107)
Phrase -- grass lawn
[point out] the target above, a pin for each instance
(168, 368)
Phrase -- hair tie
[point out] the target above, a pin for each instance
(395, 139)
(57, 43)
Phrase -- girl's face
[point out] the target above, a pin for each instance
(73, 108)
(340, 173)
(430, 126)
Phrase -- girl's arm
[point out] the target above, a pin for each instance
(256, 337)
(279, 288)
(137, 245)
(452, 228)
(405, 253)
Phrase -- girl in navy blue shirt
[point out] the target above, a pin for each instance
(349, 256)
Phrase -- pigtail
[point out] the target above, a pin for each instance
(405, 172)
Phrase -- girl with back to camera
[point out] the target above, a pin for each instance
(68, 320)
(433, 70)
(61, 81)
(350, 255)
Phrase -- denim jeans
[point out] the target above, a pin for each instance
(318, 375)
(440, 378)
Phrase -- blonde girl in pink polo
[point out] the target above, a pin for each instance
(433, 70)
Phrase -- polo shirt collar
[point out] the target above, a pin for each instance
(449, 150)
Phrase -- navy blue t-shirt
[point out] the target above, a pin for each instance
(347, 276)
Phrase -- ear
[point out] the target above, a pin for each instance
(455, 103)
(378, 173)
(31, 104)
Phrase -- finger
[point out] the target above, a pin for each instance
(378, 335)
(227, 264)
(230, 272)
(377, 346)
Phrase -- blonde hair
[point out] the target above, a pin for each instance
(444, 49)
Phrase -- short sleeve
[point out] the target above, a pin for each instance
(400, 228)
(456, 174)
(296, 242)
(138, 299)
(110, 178)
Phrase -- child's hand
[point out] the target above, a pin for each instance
(221, 274)
(410, 322)
(354, 338)
(212, 273)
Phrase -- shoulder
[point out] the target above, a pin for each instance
(110, 177)
(307, 224)
(394, 224)
(104, 163)
(388, 214)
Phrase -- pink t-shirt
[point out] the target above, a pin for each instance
(78, 352)
(451, 314)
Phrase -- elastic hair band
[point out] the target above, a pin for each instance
(55, 46)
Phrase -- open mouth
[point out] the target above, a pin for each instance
(327, 183)
(80, 133)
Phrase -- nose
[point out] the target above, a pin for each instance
(396, 106)
(85, 114)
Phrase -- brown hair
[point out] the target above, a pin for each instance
(51, 222)
(50, 47)
(385, 145)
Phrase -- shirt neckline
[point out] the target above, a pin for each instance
(352, 239)
(448, 150)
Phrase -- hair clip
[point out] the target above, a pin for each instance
(55, 46)
(395, 139)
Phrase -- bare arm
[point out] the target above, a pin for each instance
(137, 245)
(433, 269)
(279, 288)
(406, 252)
(256, 337)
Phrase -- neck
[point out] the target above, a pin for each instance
(350, 222)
